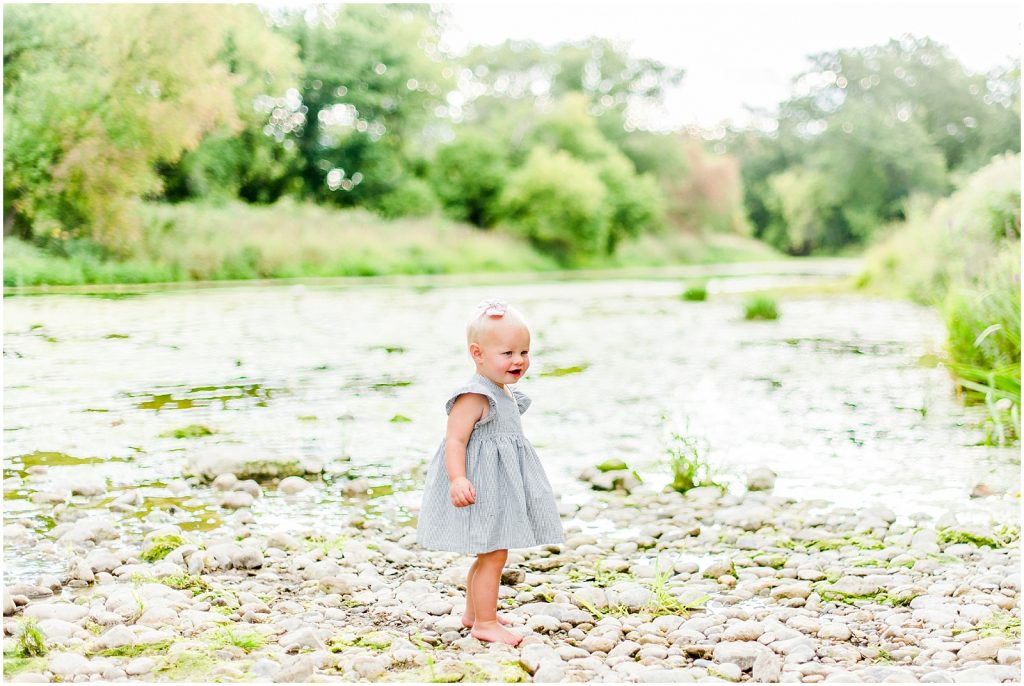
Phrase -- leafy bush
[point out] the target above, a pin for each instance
(468, 176)
(413, 198)
(634, 203)
(558, 203)
(964, 255)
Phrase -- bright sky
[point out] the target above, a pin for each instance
(745, 53)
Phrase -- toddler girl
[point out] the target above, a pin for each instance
(486, 490)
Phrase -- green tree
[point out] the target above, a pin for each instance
(633, 202)
(968, 116)
(98, 95)
(609, 78)
(469, 175)
(558, 203)
(373, 77)
(873, 125)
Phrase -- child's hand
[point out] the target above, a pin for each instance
(462, 492)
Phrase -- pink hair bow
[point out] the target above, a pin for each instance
(493, 307)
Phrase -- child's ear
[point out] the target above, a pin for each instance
(474, 351)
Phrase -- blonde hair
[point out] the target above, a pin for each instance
(489, 315)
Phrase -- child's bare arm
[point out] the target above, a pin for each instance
(466, 412)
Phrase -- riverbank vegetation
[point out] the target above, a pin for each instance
(326, 141)
(189, 242)
(963, 255)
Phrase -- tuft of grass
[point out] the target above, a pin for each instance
(400, 419)
(247, 641)
(15, 665)
(186, 666)
(183, 581)
(30, 641)
(881, 597)
(760, 307)
(136, 650)
(999, 624)
(1000, 538)
(690, 468)
(695, 293)
(861, 542)
(161, 546)
(324, 544)
(599, 576)
(662, 601)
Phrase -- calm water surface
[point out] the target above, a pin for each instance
(832, 396)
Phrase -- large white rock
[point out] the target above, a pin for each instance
(69, 664)
(743, 631)
(65, 611)
(211, 461)
(982, 649)
(760, 479)
(740, 653)
(140, 666)
(59, 630)
(290, 485)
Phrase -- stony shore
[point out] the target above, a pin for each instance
(649, 587)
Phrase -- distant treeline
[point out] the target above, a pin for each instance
(360, 106)
(868, 135)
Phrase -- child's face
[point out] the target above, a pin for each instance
(503, 353)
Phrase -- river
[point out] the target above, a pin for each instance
(833, 396)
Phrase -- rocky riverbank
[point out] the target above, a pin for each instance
(649, 587)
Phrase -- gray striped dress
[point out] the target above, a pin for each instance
(515, 506)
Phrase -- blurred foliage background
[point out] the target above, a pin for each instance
(149, 143)
(114, 108)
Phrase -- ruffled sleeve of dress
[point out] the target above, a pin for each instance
(521, 400)
(474, 387)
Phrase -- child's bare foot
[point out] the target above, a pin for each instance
(495, 633)
(468, 621)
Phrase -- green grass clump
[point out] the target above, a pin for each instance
(599, 576)
(690, 468)
(183, 581)
(136, 650)
(760, 307)
(30, 642)
(190, 431)
(999, 538)
(325, 545)
(696, 293)
(983, 333)
(662, 601)
(999, 624)
(186, 666)
(161, 546)
(881, 597)
(861, 542)
(400, 419)
(14, 664)
(247, 641)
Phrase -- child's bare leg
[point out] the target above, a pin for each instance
(469, 616)
(484, 584)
